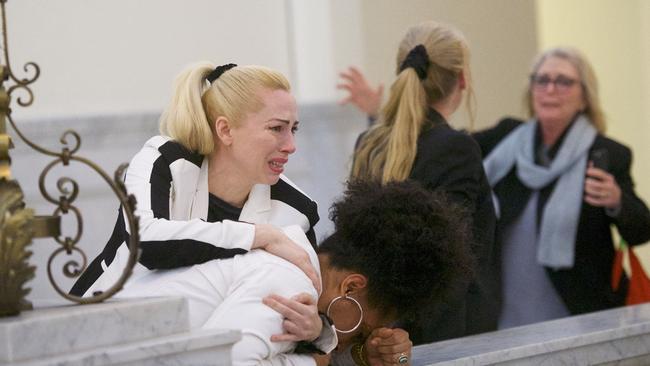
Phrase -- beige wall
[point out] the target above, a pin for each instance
(102, 57)
(120, 56)
(502, 37)
(615, 36)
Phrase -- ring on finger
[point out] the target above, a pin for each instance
(402, 358)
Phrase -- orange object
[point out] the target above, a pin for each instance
(638, 290)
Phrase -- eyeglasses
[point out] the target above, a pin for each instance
(561, 83)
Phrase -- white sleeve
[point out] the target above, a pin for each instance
(243, 309)
(162, 238)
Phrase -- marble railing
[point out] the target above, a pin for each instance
(156, 332)
(613, 337)
(143, 332)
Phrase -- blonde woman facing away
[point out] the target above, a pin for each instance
(411, 140)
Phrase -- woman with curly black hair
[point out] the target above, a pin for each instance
(395, 248)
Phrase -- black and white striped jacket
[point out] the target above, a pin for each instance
(170, 184)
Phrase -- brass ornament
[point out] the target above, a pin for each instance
(15, 238)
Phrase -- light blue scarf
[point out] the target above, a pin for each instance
(559, 224)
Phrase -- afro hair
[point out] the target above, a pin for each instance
(411, 244)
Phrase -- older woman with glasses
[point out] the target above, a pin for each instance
(559, 185)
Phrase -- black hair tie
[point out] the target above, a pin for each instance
(214, 74)
(418, 59)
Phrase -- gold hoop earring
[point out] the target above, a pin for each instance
(345, 297)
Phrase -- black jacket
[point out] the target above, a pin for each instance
(450, 161)
(587, 286)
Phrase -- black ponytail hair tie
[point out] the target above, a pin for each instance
(214, 74)
(418, 59)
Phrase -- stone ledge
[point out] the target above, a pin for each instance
(196, 348)
(606, 336)
(48, 332)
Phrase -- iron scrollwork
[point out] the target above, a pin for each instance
(18, 225)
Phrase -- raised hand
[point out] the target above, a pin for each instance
(360, 93)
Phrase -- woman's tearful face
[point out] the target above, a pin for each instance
(264, 140)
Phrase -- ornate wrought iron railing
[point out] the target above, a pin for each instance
(18, 224)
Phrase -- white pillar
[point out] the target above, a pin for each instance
(323, 37)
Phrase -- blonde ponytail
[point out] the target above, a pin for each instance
(387, 152)
(184, 119)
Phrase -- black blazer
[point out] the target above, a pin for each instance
(450, 160)
(587, 286)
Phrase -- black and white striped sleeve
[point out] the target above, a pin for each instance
(167, 243)
(301, 206)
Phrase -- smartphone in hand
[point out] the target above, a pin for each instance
(600, 159)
